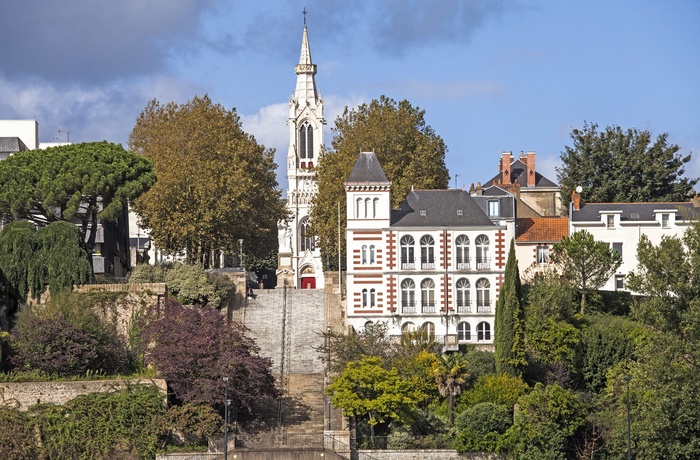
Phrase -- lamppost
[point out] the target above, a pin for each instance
(627, 379)
(227, 403)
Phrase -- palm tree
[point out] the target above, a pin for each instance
(451, 375)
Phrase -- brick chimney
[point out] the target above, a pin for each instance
(575, 201)
(504, 167)
(530, 163)
(696, 201)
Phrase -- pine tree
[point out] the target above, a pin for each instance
(509, 341)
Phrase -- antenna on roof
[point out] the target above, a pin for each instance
(63, 131)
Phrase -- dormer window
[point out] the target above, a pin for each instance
(610, 220)
(494, 208)
(665, 218)
(460, 212)
(423, 213)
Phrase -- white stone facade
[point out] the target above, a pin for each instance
(299, 257)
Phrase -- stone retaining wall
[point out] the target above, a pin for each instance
(23, 395)
(426, 454)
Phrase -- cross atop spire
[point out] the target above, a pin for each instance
(304, 13)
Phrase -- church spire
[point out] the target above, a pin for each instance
(305, 70)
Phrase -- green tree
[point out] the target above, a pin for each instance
(409, 150)
(341, 348)
(502, 389)
(216, 184)
(451, 374)
(481, 427)
(17, 437)
(78, 182)
(617, 165)
(509, 341)
(546, 424)
(190, 284)
(586, 264)
(366, 389)
(31, 259)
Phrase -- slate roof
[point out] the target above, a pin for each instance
(630, 212)
(12, 145)
(518, 173)
(367, 169)
(541, 229)
(440, 209)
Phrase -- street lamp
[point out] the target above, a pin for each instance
(227, 403)
(627, 379)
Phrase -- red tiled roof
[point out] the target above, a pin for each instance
(541, 229)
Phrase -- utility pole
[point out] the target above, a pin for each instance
(227, 403)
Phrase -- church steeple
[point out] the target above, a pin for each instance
(305, 70)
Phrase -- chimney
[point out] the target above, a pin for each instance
(575, 201)
(479, 190)
(504, 167)
(530, 163)
(696, 201)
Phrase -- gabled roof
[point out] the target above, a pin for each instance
(630, 212)
(541, 229)
(518, 173)
(12, 145)
(367, 169)
(439, 208)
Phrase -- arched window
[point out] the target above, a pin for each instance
(482, 252)
(407, 256)
(372, 297)
(463, 298)
(364, 254)
(483, 331)
(364, 298)
(428, 329)
(372, 254)
(464, 331)
(368, 214)
(358, 208)
(408, 296)
(462, 252)
(483, 296)
(369, 325)
(306, 141)
(306, 241)
(408, 327)
(427, 252)
(375, 205)
(427, 296)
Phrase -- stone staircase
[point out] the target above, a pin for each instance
(287, 326)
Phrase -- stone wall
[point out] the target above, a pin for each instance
(23, 395)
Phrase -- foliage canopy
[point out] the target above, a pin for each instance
(215, 185)
(83, 181)
(509, 341)
(616, 165)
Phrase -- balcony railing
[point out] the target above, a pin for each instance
(408, 307)
(463, 264)
(483, 263)
(408, 265)
(464, 307)
(427, 265)
(483, 307)
(427, 307)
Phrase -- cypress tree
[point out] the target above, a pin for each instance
(509, 341)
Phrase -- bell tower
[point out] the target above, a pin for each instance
(299, 258)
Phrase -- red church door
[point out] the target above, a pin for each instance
(308, 283)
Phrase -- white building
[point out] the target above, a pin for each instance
(436, 263)
(299, 257)
(622, 225)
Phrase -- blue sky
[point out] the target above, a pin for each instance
(491, 75)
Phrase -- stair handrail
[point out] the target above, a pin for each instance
(360, 455)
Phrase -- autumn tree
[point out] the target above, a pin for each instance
(216, 184)
(193, 348)
(409, 150)
(77, 182)
(509, 340)
(585, 263)
(616, 165)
